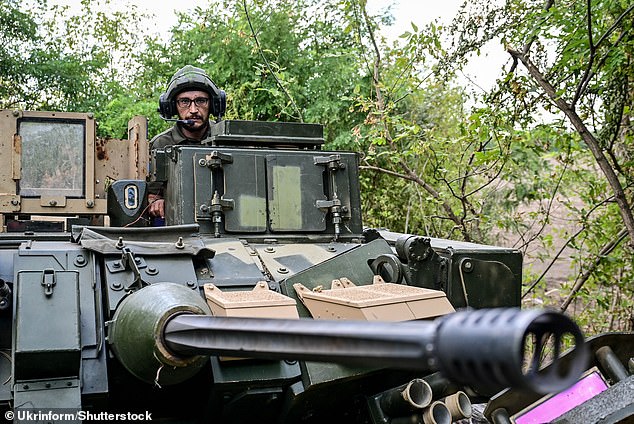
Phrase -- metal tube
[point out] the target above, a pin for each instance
(611, 364)
(459, 405)
(402, 346)
(500, 416)
(437, 413)
(440, 386)
(406, 398)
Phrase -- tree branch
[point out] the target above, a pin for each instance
(606, 250)
(266, 62)
(380, 103)
(613, 27)
(593, 144)
(587, 73)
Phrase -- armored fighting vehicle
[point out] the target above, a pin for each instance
(262, 299)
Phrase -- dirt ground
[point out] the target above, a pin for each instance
(539, 259)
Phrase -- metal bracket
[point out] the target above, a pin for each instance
(10, 203)
(218, 205)
(216, 160)
(52, 384)
(117, 265)
(332, 163)
(48, 281)
(129, 262)
(53, 201)
(327, 204)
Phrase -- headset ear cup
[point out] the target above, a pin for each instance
(220, 104)
(166, 107)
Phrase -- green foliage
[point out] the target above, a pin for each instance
(52, 60)
(305, 59)
(584, 50)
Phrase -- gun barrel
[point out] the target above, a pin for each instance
(352, 342)
(484, 349)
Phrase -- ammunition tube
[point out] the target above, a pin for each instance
(500, 416)
(459, 406)
(436, 413)
(440, 386)
(406, 398)
(611, 364)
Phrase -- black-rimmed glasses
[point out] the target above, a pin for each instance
(185, 103)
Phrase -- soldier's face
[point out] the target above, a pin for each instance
(193, 105)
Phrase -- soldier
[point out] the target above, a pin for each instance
(194, 97)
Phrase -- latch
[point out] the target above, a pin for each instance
(48, 281)
(334, 206)
(218, 205)
(332, 163)
(215, 160)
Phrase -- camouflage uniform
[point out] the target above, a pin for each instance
(172, 137)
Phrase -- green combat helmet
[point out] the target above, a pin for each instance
(191, 78)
